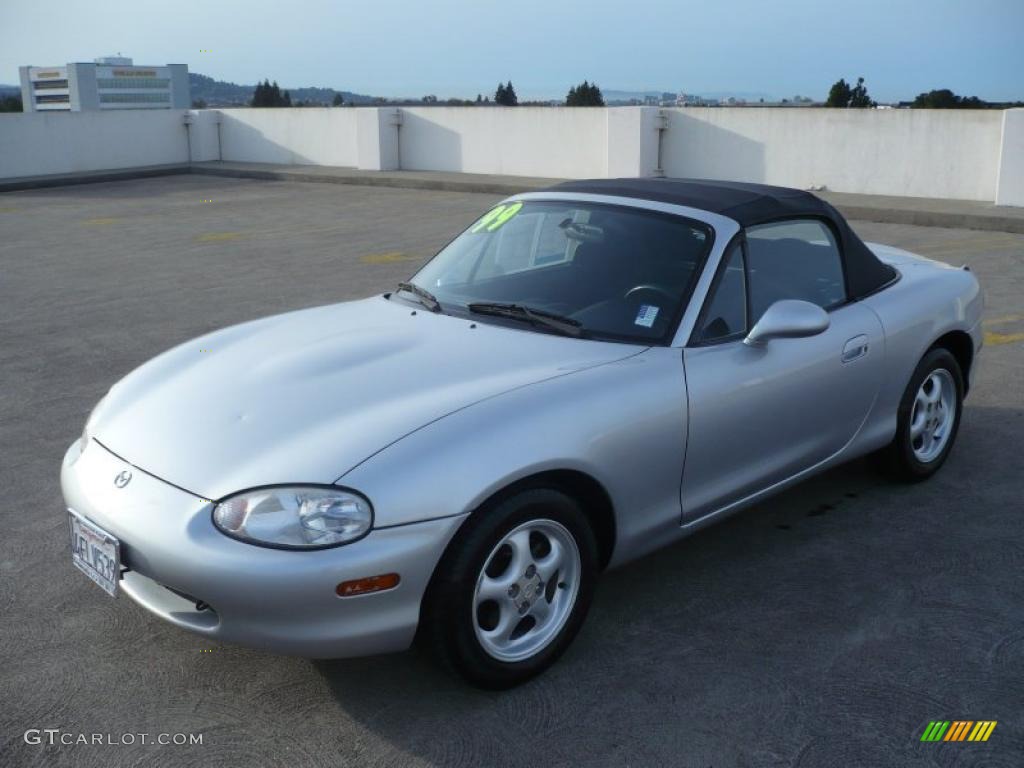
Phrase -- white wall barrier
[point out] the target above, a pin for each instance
(41, 143)
(1010, 184)
(954, 154)
(913, 152)
(306, 136)
(516, 141)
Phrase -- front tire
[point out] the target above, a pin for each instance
(928, 418)
(513, 588)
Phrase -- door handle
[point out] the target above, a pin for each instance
(855, 348)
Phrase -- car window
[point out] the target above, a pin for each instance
(726, 312)
(796, 259)
(622, 273)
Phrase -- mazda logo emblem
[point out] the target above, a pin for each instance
(123, 478)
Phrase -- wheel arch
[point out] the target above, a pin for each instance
(960, 345)
(592, 496)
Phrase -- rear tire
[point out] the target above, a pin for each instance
(512, 589)
(928, 419)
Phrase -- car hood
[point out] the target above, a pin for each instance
(305, 396)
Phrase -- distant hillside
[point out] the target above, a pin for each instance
(217, 93)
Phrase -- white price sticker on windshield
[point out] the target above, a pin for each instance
(646, 315)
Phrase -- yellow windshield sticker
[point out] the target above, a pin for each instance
(496, 217)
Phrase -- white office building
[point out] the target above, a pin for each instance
(108, 83)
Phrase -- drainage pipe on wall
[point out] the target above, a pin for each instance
(188, 134)
(660, 125)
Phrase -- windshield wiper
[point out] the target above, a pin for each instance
(559, 323)
(427, 299)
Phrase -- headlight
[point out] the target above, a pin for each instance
(295, 517)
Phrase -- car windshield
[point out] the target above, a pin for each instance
(602, 271)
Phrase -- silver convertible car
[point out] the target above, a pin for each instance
(585, 374)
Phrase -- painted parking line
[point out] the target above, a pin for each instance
(971, 247)
(993, 339)
(1003, 320)
(218, 237)
(388, 258)
(101, 221)
(996, 338)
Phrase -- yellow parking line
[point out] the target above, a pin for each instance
(100, 221)
(967, 246)
(387, 258)
(218, 237)
(1003, 320)
(993, 339)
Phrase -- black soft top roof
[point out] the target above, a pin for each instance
(750, 204)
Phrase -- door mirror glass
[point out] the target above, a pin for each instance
(788, 319)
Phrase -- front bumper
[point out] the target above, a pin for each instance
(278, 600)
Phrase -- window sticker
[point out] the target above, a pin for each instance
(496, 217)
(646, 316)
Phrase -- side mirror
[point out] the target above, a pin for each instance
(788, 319)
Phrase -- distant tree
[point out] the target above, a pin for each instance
(505, 95)
(839, 94)
(269, 94)
(479, 99)
(429, 99)
(338, 100)
(11, 103)
(198, 103)
(946, 99)
(859, 98)
(843, 96)
(584, 95)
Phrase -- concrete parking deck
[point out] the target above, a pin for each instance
(826, 627)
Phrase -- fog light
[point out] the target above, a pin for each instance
(367, 585)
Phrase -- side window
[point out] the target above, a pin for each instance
(726, 313)
(796, 259)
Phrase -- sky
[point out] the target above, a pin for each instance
(394, 48)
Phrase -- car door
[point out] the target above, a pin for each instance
(759, 415)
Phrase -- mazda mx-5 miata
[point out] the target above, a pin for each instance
(585, 374)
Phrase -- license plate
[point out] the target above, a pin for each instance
(95, 553)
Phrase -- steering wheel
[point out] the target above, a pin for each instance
(634, 293)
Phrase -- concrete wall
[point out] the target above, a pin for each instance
(44, 143)
(1010, 183)
(913, 152)
(958, 154)
(307, 136)
(517, 141)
